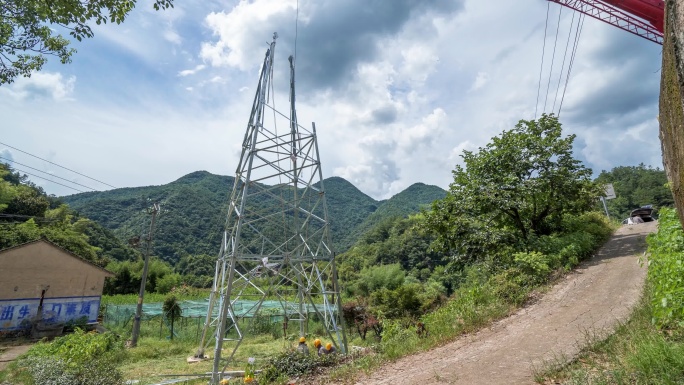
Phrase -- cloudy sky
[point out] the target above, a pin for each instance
(398, 89)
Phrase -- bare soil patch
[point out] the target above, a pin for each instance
(10, 353)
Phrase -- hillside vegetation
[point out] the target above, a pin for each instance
(27, 213)
(194, 210)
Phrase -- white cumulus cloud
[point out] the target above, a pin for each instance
(234, 46)
(43, 85)
(192, 71)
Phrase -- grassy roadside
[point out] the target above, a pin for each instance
(649, 348)
(637, 353)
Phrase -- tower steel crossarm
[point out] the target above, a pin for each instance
(613, 15)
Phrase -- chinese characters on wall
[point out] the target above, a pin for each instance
(17, 313)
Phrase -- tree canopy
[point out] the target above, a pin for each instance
(636, 186)
(524, 180)
(28, 29)
(27, 214)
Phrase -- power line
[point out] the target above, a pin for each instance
(553, 57)
(567, 44)
(58, 177)
(296, 32)
(541, 68)
(578, 33)
(49, 180)
(53, 163)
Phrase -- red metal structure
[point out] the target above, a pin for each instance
(641, 17)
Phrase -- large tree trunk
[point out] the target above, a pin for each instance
(671, 101)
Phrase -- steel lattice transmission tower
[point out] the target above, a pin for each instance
(276, 244)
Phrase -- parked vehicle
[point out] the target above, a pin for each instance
(640, 215)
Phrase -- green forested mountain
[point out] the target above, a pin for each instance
(416, 197)
(348, 208)
(194, 210)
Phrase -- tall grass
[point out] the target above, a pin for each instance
(132, 299)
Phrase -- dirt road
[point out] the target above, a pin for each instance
(11, 353)
(590, 301)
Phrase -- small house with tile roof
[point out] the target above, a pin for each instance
(36, 273)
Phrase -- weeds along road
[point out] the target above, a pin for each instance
(586, 304)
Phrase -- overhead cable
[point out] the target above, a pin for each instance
(296, 33)
(53, 163)
(553, 57)
(54, 176)
(578, 33)
(541, 68)
(49, 180)
(560, 77)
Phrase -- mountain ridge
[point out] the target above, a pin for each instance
(194, 207)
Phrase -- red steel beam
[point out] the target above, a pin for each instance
(652, 11)
(650, 28)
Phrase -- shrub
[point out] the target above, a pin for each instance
(431, 295)
(49, 371)
(78, 323)
(76, 359)
(383, 276)
(356, 315)
(263, 323)
(534, 264)
(397, 340)
(79, 348)
(511, 285)
(292, 363)
(666, 269)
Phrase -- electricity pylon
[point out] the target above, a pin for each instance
(276, 245)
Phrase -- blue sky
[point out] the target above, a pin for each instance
(398, 89)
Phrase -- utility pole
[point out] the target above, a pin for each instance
(154, 210)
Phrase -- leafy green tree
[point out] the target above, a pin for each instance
(58, 228)
(7, 190)
(128, 275)
(123, 282)
(526, 179)
(172, 310)
(403, 301)
(166, 283)
(199, 265)
(28, 201)
(383, 276)
(27, 29)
